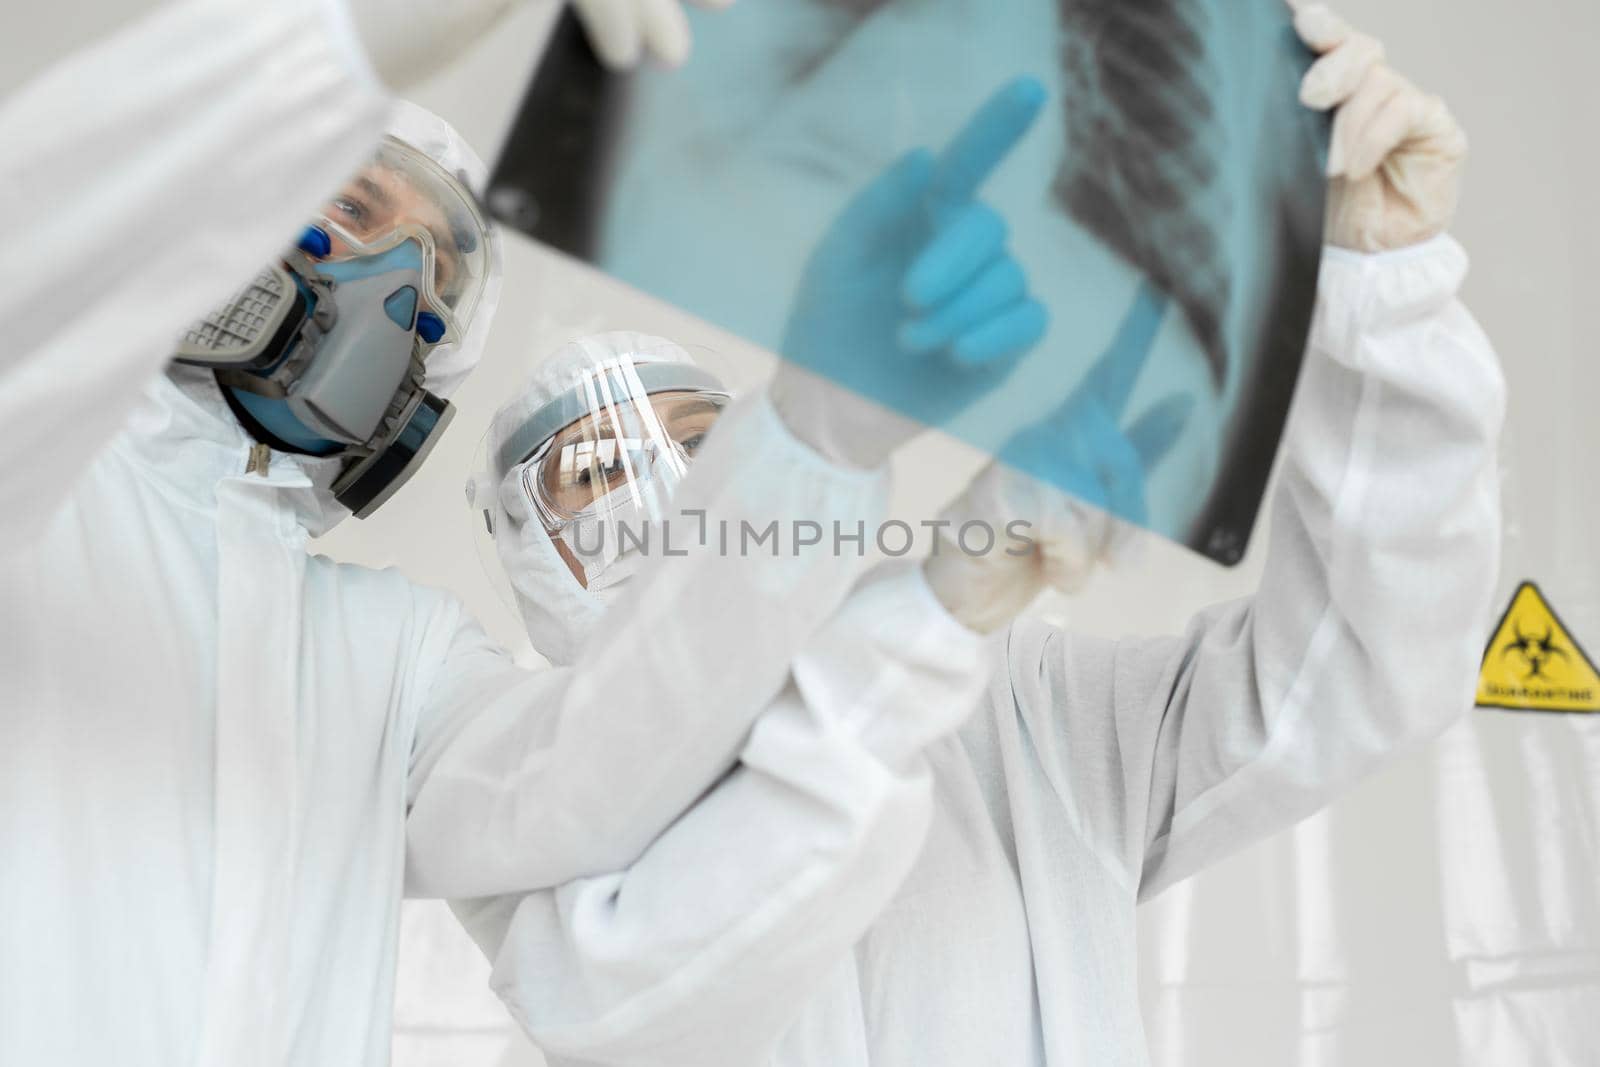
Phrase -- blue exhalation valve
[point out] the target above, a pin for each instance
(430, 327)
(315, 242)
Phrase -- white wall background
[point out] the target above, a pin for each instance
(1521, 78)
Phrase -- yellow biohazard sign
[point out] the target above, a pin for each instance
(1534, 663)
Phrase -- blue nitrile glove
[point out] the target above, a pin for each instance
(911, 300)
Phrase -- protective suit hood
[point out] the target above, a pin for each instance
(449, 365)
(559, 612)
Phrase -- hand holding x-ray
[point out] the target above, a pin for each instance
(1099, 458)
(1396, 157)
(911, 307)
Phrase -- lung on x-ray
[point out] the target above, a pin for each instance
(1165, 205)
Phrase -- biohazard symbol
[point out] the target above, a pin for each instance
(1533, 663)
(1535, 651)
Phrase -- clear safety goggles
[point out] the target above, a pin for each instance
(619, 428)
(629, 453)
(403, 195)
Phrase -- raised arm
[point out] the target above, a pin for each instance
(527, 781)
(144, 178)
(703, 950)
(1366, 630)
(1366, 633)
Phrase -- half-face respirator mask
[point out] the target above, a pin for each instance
(325, 352)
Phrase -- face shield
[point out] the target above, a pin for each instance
(599, 463)
(588, 459)
(401, 196)
(625, 455)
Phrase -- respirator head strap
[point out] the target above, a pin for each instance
(250, 382)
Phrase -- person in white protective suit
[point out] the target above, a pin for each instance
(1092, 774)
(222, 759)
(1446, 912)
(795, 851)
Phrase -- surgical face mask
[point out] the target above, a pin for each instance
(613, 536)
(607, 572)
(325, 352)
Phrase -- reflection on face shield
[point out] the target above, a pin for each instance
(403, 195)
(600, 461)
(629, 454)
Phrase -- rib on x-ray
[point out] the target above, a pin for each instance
(1171, 191)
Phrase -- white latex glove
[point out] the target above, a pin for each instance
(409, 40)
(1066, 540)
(1097, 470)
(622, 31)
(1395, 161)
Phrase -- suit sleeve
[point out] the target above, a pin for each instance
(144, 179)
(528, 781)
(704, 950)
(1365, 634)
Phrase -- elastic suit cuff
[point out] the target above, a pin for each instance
(1363, 294)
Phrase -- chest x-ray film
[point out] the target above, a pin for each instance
(1160, 185)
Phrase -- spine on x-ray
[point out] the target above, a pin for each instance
(1142, 129)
